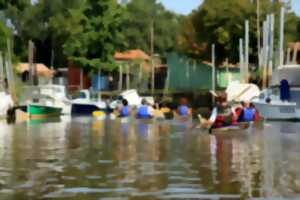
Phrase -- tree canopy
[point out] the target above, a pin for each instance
(89, 32)
(222, 22)
(99, 35)
(140, 16)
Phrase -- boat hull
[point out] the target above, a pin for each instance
(42, 112)
(283, 111)
(78, 109)
(36, 112)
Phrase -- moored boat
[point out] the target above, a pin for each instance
(36, 111)
(85, 106)
(281, 101)
(224, 129)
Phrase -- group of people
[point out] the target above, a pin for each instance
(225, 115)
(158, 110)
(222, 114)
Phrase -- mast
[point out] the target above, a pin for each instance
(213, 61)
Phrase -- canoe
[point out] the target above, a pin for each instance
(231, 128)
(146, 121)
(179, 118)
(35, 111)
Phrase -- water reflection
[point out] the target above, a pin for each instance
(82, 158)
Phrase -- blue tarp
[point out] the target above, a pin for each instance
(99, 83)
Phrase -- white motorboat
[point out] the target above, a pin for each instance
(270, 102)
(84, 105)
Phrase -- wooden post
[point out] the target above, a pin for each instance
(271, 52)
(288, 56)
(265, 53)
(152, 56)
(2, 76)
(167, 82)
(152, 37)
(120, 77)
(213, 62)
(127, 77)
(10, 73)
(227, 71)
(247, 51)
(281, 40)
(99, 83)
(81, 78)
(140, 76)
(52, 64)
(152, 75)
(295, 53)
(258, 32)
(241, 61)
(30, 61)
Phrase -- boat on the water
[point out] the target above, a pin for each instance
(224, 129)
(281, 101)
(57, 93)
(37, 111)
(133, 98)
(84, 105)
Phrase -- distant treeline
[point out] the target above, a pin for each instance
(89, 32)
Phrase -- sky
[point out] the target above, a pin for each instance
(186, 6)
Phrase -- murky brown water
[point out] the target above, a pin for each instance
(81, 159)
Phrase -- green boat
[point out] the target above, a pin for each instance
(41, 111)
(35, 111)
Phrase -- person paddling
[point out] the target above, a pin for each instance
(144, 111)
(248, 113)
(124, 111)
(183, 110)
(222, 114)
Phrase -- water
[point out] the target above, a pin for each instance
(82, 159)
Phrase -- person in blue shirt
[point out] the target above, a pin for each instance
(248, 113)
(144, 111)
(124, 111)
(183, 110)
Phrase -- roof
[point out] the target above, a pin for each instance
(132, 55)
(42, 70)
(294, 45)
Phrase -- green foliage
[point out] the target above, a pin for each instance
(100, 35)
(140, 14)
(222, 22)
(5, 33)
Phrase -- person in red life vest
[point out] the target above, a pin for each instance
(183, 110)
(222, 114)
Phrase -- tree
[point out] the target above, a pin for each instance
(222, 22)
(99, 36)
(140, 16)
(47, 22)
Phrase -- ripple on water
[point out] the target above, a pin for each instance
(93, 177)
(200, 196)
(105, 161)
(70, 192)
(184, 179)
